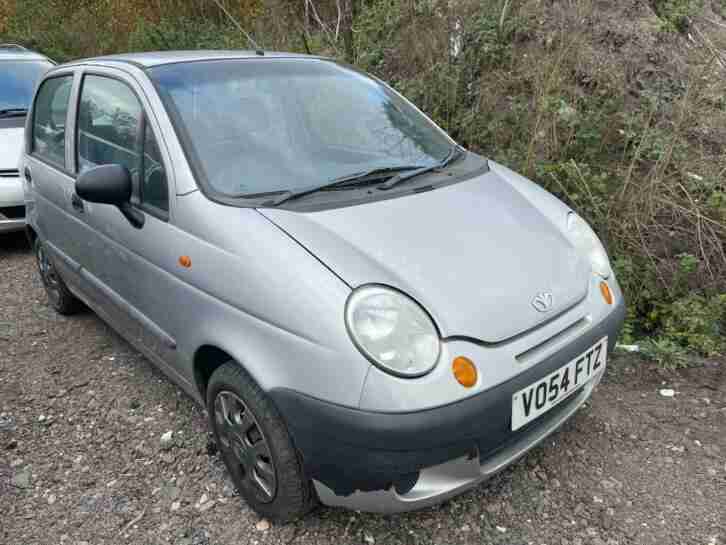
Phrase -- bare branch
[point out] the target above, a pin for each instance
(236, 23)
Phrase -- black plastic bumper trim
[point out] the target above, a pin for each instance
(349, 449)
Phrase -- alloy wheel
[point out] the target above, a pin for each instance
(244, 446)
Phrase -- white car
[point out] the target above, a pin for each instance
(20, 70)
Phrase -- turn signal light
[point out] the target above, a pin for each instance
(606, 293)
(464, 371)
(185, 261)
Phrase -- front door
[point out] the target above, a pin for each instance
(114, 128)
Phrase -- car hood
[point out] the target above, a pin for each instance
(11, 146)
(475, 254)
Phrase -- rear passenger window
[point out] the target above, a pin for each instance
(49, 119)
(109, 125)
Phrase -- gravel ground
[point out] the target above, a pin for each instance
(82, 461)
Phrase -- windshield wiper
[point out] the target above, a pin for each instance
(350, 180)
(454, 154)
(13, 112)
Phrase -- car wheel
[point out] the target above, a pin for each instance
(256, 447)
(59, 296)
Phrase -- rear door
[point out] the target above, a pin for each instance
(48, 169)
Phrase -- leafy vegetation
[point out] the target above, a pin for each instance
(667, 353)
(619, 108)
(676, 13)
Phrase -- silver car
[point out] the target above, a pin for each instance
(20, 70)
(373, 316)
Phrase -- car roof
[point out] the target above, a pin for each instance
(14, 52)
(156, 58)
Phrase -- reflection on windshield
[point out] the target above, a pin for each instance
(269, 125)
(17, 82)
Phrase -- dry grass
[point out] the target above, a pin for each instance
(625, 121)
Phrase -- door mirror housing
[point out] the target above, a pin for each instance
(105, 184)
(110, 184)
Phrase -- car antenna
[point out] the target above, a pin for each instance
(258, 49)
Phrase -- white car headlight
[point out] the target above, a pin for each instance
(392, 331)
(586, 241)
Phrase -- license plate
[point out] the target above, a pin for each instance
(539, 397)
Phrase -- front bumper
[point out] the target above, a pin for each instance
(358, 459)
(12, 205)
(444, 481)
(12, 219)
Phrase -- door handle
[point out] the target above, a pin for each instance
(76, 202)
(28, 177)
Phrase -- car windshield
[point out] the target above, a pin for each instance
(17, 82)
(257, 126)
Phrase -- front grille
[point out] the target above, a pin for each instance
(12, 213)
(534, 353)
(9, 173)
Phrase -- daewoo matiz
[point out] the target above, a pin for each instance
(373, 316)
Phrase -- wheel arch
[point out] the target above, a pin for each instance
(31, 235)
(207, 359)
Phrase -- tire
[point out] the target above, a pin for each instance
(59, 296)
(252, 439)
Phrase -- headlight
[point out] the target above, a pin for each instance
(586, 241)
(392, 331)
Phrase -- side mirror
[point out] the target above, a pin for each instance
(110, 184)
(105, 184)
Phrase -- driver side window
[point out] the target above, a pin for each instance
(112, 129)
(109, 125)
(153, 184)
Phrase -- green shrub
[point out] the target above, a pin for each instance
(697, 322)
(666, 352)
(183, 33)
(676, 13)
